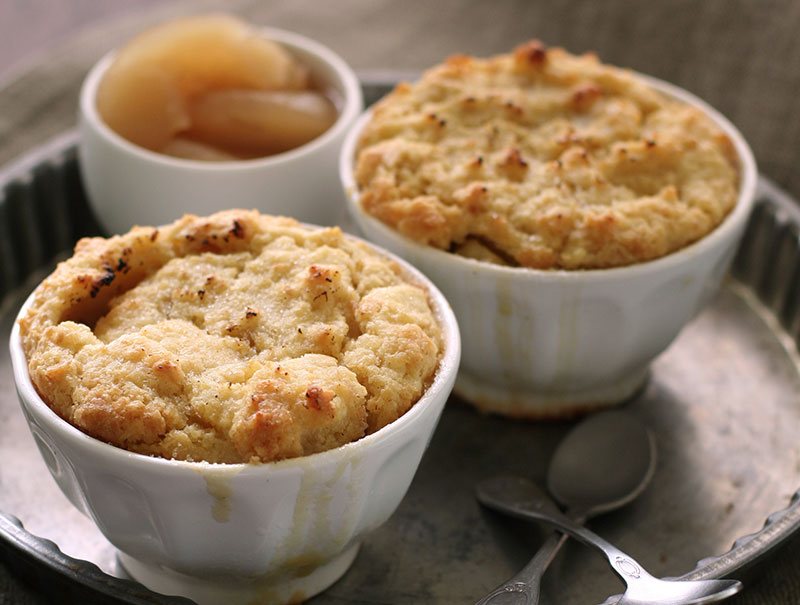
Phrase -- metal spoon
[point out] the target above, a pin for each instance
(602, 464)
(609, 458)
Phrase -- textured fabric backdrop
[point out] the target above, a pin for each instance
(742, 56)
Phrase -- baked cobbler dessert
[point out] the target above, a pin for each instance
(238, 337)
(546, 160)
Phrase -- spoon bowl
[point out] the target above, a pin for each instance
(602, 464)
(679, 592)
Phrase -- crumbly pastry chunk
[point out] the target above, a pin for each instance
(546, 160)
(234, 338)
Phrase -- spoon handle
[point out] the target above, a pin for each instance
(524, 587)
(524, 500)
(623, 564)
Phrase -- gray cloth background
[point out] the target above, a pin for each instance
(742, 56)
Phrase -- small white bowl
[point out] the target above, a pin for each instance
(232, 534)
(127, 184)
(541, 344)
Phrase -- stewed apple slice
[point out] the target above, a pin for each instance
(260, 122)
(142, 103)
(211, 52)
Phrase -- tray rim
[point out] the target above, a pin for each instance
(745, 553)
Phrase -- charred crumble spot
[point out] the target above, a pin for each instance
(250, 313)
(201, 294)
(154, 235)
(317, 398)
(190, 237)
(106, 280)
(312, 400)
(650, 143)
(515, 157)
(237, 230)
(300, 330)
(123, 265)
(323, 293)
(534, 52)
(537, 55)
(440, 122)
(584, 96)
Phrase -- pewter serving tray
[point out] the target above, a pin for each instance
(723, 402)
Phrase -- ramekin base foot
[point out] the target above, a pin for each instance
(274, 590)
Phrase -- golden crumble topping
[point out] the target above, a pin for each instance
(234, 338)
(543, 159)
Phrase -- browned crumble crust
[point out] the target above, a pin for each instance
(546, 160)
(233, 338)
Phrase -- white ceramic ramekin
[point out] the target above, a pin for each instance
(553, 343)
(127, 184)
(230, 534)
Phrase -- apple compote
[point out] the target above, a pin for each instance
(212, 88)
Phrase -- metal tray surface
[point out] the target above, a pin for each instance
(723, 402)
